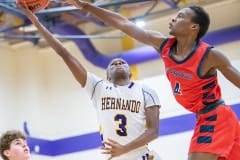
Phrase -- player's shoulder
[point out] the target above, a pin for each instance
(145, 87)
(93, 79)
(214, 54)
(215, 51)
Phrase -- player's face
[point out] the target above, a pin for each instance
(18, 150)
(118, 67)
(182, 23)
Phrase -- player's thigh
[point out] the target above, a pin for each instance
(202, 156)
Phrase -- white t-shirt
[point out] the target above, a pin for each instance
(120, 109)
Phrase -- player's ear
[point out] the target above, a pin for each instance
(130, 75)
(109, 79)
(195, 26)
(6, 153)
(108, 76)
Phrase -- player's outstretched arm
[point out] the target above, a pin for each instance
(152, 38)
(74, 65)
(217, 60)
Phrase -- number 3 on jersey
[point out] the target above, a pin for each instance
(177, 88)
(122, 122)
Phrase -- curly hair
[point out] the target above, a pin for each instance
(7, 138)
(202, 18)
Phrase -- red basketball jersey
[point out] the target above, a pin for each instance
(190, 89)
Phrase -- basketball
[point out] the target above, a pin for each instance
(35, 5)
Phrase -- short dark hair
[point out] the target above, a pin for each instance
(202, 18)
(7, 138)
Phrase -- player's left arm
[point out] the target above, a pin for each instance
(151, 133)
(223, 64)
(114, 149)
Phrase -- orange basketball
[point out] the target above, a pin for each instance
(35, 5)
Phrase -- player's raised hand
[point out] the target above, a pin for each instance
(27, 11)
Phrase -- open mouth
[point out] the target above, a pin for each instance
(26, 150)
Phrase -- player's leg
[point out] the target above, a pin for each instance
(202, 156)
(207, 142)
(235, 152)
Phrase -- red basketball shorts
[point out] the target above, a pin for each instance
(217, 132)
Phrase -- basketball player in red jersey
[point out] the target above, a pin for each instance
(191, 67)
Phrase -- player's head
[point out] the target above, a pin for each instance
(201, 18)
(13, 146)
(192, 20)
(118, 69)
